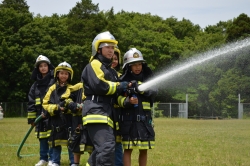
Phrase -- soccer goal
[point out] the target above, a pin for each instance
(243, 110)
(177, 110)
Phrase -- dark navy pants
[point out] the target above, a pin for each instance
(45, 151)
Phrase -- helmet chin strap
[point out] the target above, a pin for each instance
(61, 83)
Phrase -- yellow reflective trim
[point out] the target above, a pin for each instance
(46, 99)
(97, 119)
(112, 88)
(76, 87)
(138, 144)
(116, 106)
(121, 100)
(117, 125)
(60, 142)
(88, 148)
(66, 94)
(118, 138)
(96, 66)
(146, 105)
(41, 134)
(49, 132)
(38, 101)
(31, 115)
(82, 147)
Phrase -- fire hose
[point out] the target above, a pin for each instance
(27, 135)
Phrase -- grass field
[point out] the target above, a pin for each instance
(179, 142)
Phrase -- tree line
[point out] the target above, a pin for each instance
(213, 88)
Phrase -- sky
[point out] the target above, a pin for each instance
(201, 12)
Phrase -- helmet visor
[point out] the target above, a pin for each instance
(106, 44)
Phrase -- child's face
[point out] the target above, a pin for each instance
(115, 61)
(136, 68)
(43, 68)
(63, 76)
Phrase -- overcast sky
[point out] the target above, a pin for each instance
(201, 12)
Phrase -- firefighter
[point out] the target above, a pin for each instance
(101, 88)
(58, 105)
(43, 77)
(118, 146)
(136, 120)
(78, 141)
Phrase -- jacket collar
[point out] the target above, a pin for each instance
(105, 61)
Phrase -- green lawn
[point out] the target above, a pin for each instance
(179, 142)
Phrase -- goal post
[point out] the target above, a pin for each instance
(243, 109)
(177, 110)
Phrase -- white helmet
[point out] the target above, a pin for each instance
(132, 55)
(40, 59)
(101, 40)
(64, 66)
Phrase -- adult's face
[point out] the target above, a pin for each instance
(108, 51)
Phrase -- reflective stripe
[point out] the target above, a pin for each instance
(97, 119)
(117, 125)
(116, 106)
(146, 105)
(121, 100)
(88, 149)
(42, 134)
(38, 101)
(60, 142)
(49, 132)
(96, 66)
(31, 115)
(82, 147)
(138, 144)
(118, 138)
(112, 88)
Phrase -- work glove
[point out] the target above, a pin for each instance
(134, 87)
(62, 103)
(79, 106)
(67, 101)
(122, 87)
(58, 110)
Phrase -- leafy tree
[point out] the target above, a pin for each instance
(18, 5)
(239, 29)
(84, 22)
(183, 28)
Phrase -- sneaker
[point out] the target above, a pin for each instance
(50, 163)
(42, 163)
(55, 164)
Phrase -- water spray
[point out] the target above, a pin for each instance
(229, 49)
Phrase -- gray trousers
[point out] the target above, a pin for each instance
(103, 139)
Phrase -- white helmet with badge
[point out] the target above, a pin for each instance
(131, 56)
